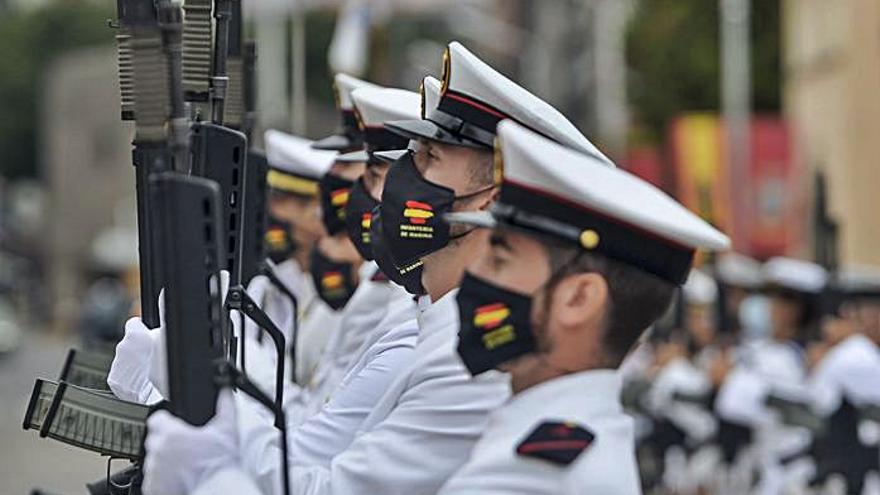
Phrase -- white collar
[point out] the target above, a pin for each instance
(437, 315)
(423, 303)
(288, 269)
(575, 396)
(366, 271)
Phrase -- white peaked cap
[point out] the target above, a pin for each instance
(375, 106)
(430, 95)
(294, 166)
(348, 137)
(470, 76)
(474, 97)
(345, 85)
(700, 289)
(554, 190)
(738, 270)
(794, 274)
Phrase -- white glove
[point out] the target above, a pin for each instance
(129, 374)
(132, 373)
(181, 456)
(159, 364)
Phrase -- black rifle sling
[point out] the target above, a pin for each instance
(239, 300)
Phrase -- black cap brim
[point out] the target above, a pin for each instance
(425, 129)
(389, 156)
(480, 219)
(353, 157)
(334, 142)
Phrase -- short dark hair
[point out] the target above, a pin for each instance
(636, 299)
(482, 167)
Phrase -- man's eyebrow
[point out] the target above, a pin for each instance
(498, 240)
(428, 146)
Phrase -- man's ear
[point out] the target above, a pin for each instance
(487, 200)
(579, 300)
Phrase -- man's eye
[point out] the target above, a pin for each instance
(497, 262)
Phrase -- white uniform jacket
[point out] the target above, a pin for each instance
(536, 443)
(324, 435)
(850, 370)
(374, 309)
(423, 428)
(260, 351)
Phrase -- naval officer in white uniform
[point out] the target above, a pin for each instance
(584, 258)
(424, 427)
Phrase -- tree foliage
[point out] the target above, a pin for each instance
(673, 50)
(29, 41)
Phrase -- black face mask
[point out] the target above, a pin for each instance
(333, 280)
(495, 325)
(279, 243)
(413, 210)
(358, 218)
(410, 277)
(335, 192)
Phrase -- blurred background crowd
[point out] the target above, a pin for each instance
(760, 115)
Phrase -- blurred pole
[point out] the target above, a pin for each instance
(544, 58)
(271, 63)
(612, 116)
(298, 109)
(736, 96)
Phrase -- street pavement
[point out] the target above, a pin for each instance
(26, 460)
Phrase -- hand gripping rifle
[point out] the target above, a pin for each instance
(149, 44)
(197, 367)
(150, 49)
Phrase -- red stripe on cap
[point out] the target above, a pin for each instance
(480, 106)
(561, 199)
(553, 445)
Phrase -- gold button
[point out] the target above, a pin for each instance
(589, 239)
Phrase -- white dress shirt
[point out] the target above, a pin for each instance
(850, 370)
(777, 368)
(260, 351)
(590, 400)
(318, 430)
(374, 309)
(324, 435)
(681, 376)
(422, 429)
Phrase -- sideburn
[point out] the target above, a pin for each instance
(541, 321)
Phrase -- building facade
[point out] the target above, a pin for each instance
(832, 100)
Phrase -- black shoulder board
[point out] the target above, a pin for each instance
(558, 442)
